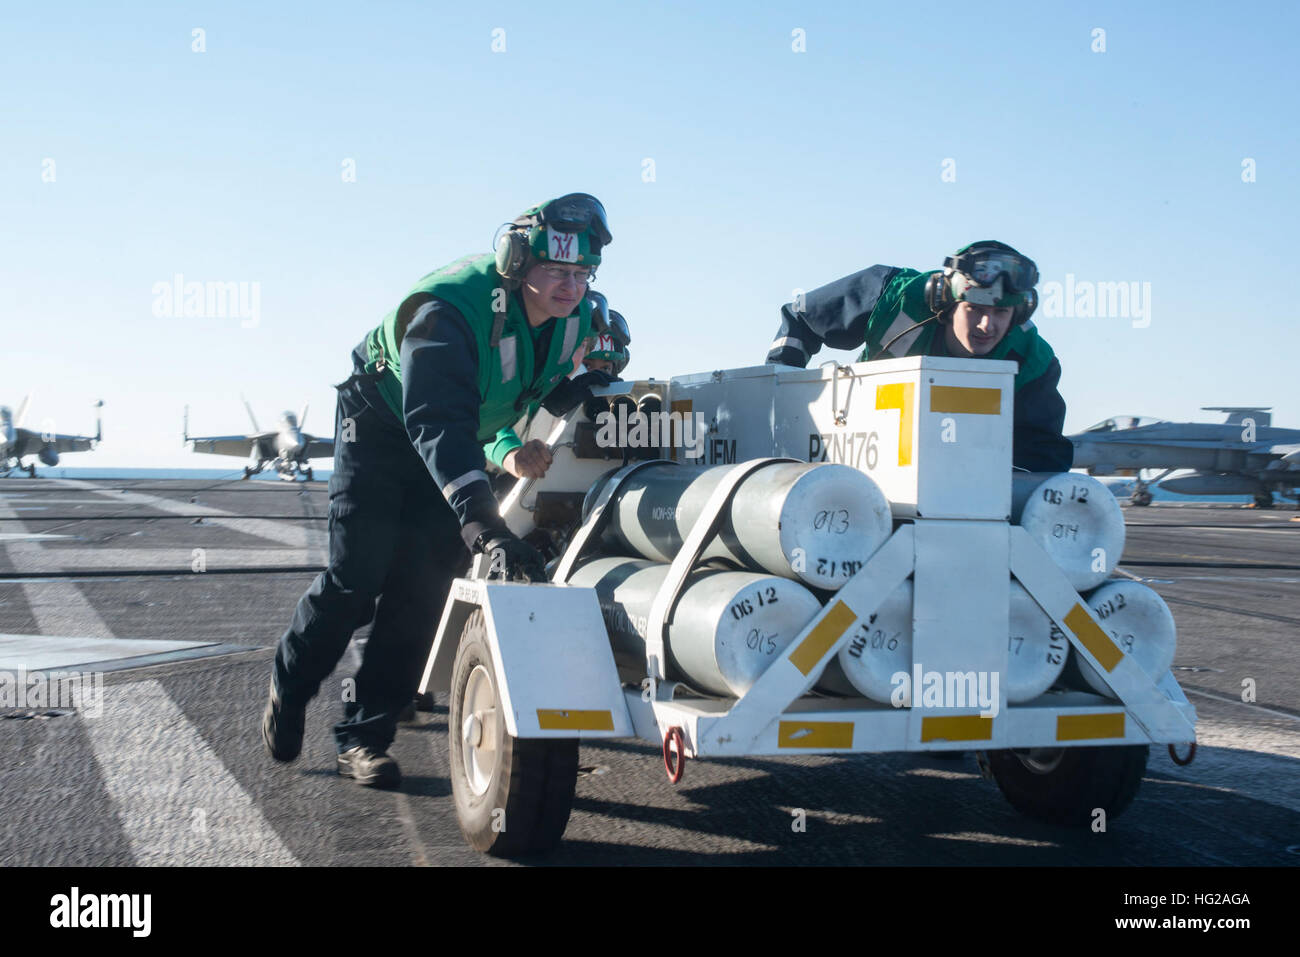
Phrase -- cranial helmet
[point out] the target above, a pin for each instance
(612, 335)
(571, 229)
(986, 273)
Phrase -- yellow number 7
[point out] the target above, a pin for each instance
(899, 395)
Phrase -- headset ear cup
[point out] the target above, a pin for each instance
(935, 287)
(1026, 309)
(512, 252)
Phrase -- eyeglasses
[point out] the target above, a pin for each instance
(582, 277)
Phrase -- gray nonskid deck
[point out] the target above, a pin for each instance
(173, 770)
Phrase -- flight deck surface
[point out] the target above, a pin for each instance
(176, 591)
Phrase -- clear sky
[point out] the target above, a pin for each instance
(894, 136)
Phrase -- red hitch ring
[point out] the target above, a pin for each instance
(1191, 755)
(676, 768)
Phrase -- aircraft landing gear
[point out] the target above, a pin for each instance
(1263, 500)
(309, 475)
(31, 470)
(248, 473)
(1141, 495)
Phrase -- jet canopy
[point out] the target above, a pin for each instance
(1121, 422)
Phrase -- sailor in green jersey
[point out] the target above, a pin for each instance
(436, 386)
(978, 305)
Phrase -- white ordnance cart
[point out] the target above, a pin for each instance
(775, 561)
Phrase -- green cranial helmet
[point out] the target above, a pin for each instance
(571, 229)
(611, 334)
(990, 273)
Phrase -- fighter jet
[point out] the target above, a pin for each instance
(287, 448)
(17, 442)
(1244, 455)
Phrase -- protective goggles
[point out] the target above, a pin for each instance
(576, 213)
(618, 330)
(608, 322)
(986, 265)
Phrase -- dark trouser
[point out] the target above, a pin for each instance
(394, 538)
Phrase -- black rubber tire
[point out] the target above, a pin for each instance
(534, 778)
(1085, 779)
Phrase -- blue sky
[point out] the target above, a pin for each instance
(773, 170)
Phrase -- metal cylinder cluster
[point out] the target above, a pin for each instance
(792, 527)
(1036, 650)
(816, 523)
(726, 628)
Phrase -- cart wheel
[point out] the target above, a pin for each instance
(1066, 785)
(513, 795)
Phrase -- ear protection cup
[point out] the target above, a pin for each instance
(512, 253)
(1026, 308)
(938, 296)
(937, 293)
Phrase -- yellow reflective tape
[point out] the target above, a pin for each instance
(814, 734)
(1079, 727)
(557, 719)
(898, 395)
(958, 398)
(827, 631)
(1094, 639)
(957, 727)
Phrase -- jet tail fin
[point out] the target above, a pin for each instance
(99, 421)
(302, 419)
(22, 411)
(252, 418)
(1259, 414)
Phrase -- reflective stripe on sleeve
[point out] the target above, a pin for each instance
(791, 342)
(477, 475)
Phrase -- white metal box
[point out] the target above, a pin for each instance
(934, 433)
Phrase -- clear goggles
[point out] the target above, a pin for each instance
(576, 213)
(986, 265)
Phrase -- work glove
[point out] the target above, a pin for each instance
(571, 393)
(510, 558)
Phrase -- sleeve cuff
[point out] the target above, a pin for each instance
(505, 443)
(788, 356)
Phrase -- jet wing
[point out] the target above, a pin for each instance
(27, 442)
(1287, 453)
(317, 448)
(241, 445)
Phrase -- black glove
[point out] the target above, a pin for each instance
(571, 393)
(510, 558)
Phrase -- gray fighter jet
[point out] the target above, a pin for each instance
(16, 442)
(1243, 455)
(288, 448)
